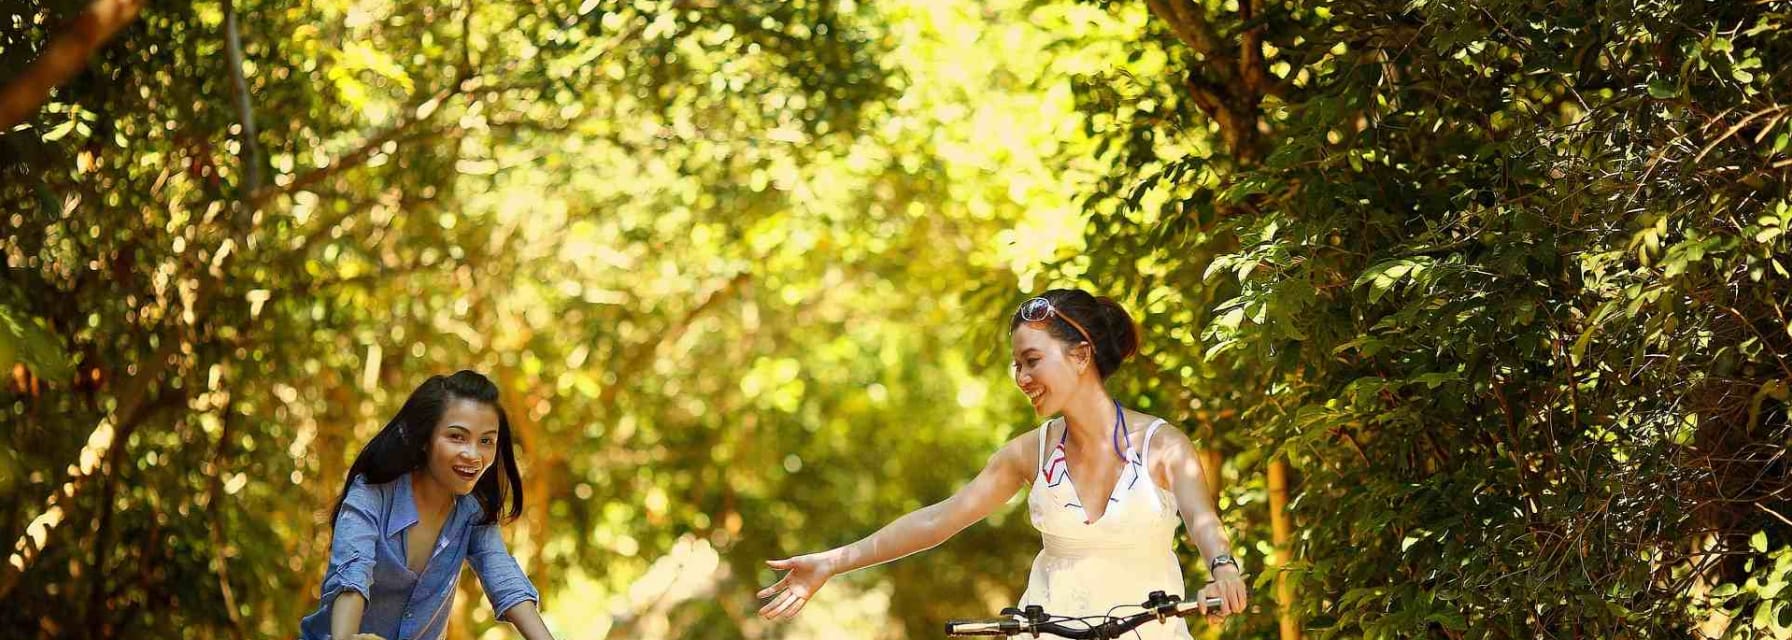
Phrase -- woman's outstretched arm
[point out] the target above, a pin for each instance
(919, 530)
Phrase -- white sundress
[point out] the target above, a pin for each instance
(1087, 569)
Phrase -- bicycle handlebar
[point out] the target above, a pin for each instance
(1034, 620)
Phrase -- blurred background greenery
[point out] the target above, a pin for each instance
(1478, 308)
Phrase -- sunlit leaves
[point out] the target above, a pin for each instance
(1467, 270)
(25, 340)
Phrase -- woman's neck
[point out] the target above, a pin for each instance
(431, 498)
(1089, 418)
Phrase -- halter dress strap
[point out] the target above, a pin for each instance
(1149, 431)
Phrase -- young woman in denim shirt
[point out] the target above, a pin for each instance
(417, 502)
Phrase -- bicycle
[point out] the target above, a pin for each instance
(1034, 620)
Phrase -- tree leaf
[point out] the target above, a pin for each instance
(28, 340)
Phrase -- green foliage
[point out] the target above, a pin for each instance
(1758, 606)
(26, 341)
(716, 257)
(1507, 290)
(1504, 284)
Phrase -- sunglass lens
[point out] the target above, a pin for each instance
(1034, 310)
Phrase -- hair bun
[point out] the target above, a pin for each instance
(1118, 330)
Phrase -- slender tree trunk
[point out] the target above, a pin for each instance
(541, 463)
(1281, 536)
(1210, 463)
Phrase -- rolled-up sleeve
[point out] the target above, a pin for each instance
(352, 545)
(500, 575)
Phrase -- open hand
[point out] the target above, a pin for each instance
(788, 595)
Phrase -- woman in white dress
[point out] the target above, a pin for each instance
(1107, 484)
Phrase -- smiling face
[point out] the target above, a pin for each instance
(464, 445)
(1046, 370)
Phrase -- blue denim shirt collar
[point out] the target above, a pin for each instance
(404, 507)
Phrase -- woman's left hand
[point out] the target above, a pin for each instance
(1228, 586)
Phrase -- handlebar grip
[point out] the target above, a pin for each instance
(982, 627)
(1188, 606)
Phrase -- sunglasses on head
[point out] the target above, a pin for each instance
(1039, 309)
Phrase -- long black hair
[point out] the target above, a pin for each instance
(403, 445)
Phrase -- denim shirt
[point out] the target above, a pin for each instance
(367, 556)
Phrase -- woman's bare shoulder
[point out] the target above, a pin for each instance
(1168, 437)
(1022, 451)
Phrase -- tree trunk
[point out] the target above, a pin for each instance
(1281, 536)
(1210, 465)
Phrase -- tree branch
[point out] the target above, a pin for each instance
(1226, 87)
(1208, 95)
(239, 86)
(418, 114)
(215, 509)
(638, 356)
(1187, 21)
(131, 408)
(106, 473)
(1250, 60)
(65, 56)
(1237, 123)
(466, 36)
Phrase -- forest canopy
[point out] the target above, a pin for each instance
(1476, 310)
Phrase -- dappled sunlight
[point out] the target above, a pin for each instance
(1456, 311)
(850, 610)
(737, 273)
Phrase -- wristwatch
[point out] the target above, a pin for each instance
(1223, 559)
